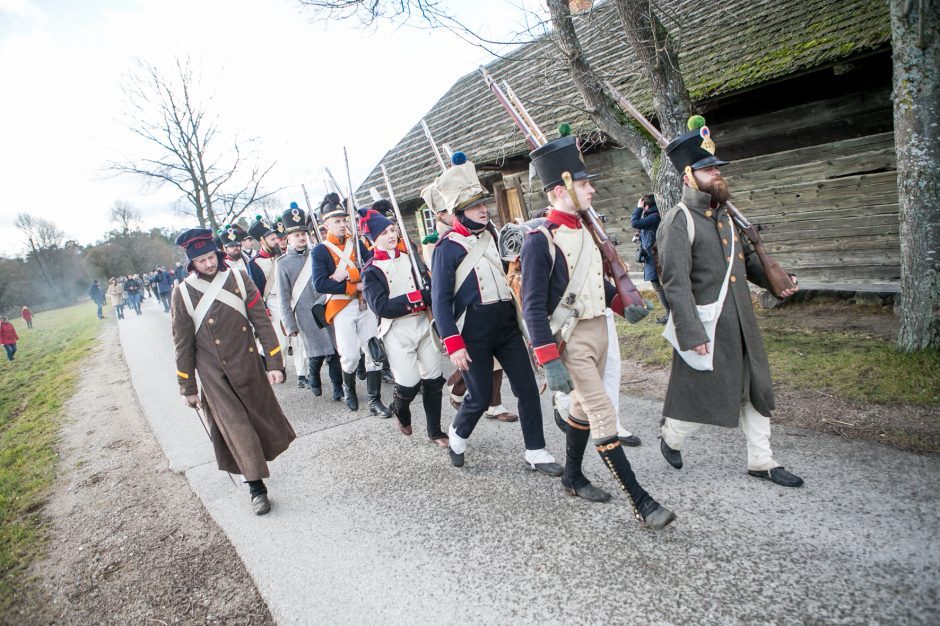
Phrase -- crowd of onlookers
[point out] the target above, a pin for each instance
(129, 291)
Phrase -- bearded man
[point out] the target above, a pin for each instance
(217, 314)
(705, 260)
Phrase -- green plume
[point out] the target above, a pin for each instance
(696, 122)
(564, 130)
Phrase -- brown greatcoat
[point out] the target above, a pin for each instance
(693, 275)
(248, 427)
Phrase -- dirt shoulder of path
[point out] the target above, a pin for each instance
(129, 540)
(910, 427)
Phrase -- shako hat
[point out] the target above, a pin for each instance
(259, 228)
(559, 156)
(294, 219)
(457, 189)
(198, 242)
(231, 234)
(372, 223)
(331, 206)
(694, 149)
(384, 207)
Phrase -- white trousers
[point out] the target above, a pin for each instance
(756, 429)
(612, 376)
(353, 329)
(412, 353)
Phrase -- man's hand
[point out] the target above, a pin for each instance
(461, 359)
(192, 401)
(557, 376)
(786, 293)
(634, 314)
(360, 286)
(294, 334)
(340, 275)
(701, 349)
(275, 377)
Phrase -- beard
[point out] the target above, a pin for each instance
(235, 256)
(718, 190)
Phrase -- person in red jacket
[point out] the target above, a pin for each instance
(8, 337)
(27, 316)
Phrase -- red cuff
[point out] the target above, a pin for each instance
(254, 300)
(414, 296)
(546, 353)
(616, 305)
(454, 343)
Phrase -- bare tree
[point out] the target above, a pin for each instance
(916, 48)
(219, 178)
(125, 216)
(36, 231)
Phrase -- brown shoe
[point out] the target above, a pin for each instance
(405, 430)
(441, 442)
(503, 417)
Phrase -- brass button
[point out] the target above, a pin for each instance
(724, 241)
(252, 349)
(708, 213)
(224, 362)
(720, 225)
(735, 237)
(211, 321)
(734, 279)
(741, 255)
(217, 341)
(236, 290)
(244, 328)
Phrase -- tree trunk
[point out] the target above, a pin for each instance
(916, 48)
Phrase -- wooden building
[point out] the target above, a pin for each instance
(795, 92)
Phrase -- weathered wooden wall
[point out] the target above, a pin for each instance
(819, 175)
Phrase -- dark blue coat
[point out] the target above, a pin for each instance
(163, 281)
(543, 285)
(647, 226)
(257, 275)
(447, 305)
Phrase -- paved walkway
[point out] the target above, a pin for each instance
(371, 527)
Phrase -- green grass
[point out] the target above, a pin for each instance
(849, 364)
(33, 389)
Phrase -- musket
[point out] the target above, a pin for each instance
(427, 133)
(777, 277)
(206, 428)
(315, 229)
(614, 265)
(353, 208)
(420, 278)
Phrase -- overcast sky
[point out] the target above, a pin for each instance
(306, 87)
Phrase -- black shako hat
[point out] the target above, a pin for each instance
(232, 234)
(555, 157)
(331, 206)
(294, 219)
(694, 149)
(198, 242)
(259, 228)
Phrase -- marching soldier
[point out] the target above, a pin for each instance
(705, 260)
(392, 293)
(564, 299)
(231, 237)
(261, 269)
(296, 297)
(476, 315)
(335, 273)
(217, 315)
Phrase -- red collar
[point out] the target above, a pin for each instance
(382, 255)
(460, 229)
(563, 219)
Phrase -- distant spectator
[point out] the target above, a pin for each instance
(116, 296)
(132, 289)
(27, 316)
(162, 282)
(97, 296)
(8, 337)
(646, 219)
(179, 272)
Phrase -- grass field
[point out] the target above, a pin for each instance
(33, 389)
(851, 364)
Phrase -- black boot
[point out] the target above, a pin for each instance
(432, 397)
(401, 406)
(361, 368)
(349, 391)
(336, 376)
(645, 508)
(573, 480)
(259, 497)
(313, 377)
(374, 388)
(387, 376)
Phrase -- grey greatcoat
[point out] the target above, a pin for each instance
(247, 425)
(317, 341)
(693, 274)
